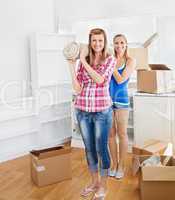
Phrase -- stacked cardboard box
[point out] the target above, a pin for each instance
(159, 79)
(151, 78)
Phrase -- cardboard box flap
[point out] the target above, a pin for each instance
(140, 151)
(157, 146)
(49, 152)
(136, 162)
(151, 146)
(150, 40)
(150, 142)
(159, 67)
(141, 56)
(158, 173)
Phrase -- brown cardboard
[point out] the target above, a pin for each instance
(158, 182)
(141, 56)
(150, 147)
(157, 80)
(158, 67)
(51, 165)
(141, 53)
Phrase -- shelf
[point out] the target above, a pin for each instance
(47, 107)
(55, 119)
(56, 84)
(7, 116)
(47, 50)
(19, 133)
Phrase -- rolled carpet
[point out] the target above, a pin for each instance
(71, 51)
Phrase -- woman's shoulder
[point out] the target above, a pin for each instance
(130, 60)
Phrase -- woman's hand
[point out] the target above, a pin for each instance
(71, 62)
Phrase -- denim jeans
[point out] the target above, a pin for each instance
(94, 128)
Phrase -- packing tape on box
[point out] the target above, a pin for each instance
(39, 168)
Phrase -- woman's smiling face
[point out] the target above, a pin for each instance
(120, 44)
(97, 43)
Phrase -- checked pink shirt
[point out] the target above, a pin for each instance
(95, 97)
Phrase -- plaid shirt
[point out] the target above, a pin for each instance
(95, 97)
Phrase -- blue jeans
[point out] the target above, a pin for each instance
(94, 128)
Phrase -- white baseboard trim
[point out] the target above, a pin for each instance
(12, 156)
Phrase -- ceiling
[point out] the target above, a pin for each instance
(76, 10)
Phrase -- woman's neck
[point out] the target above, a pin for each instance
(120, 56)
(97, 58)
(98, 54)
(120, 59)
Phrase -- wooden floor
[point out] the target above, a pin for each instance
(16, 184)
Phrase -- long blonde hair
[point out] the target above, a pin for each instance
(91, 54)
(126, 50)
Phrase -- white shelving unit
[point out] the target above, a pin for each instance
(51, 87)
(44, 119)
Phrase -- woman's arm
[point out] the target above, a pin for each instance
(75, 83)
(96, 77)
(130, 66)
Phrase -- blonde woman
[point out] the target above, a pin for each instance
(93, 109)
(119, 94)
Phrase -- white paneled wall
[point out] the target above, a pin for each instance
(18, 19)
(43, 120)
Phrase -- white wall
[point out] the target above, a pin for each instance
(166, 28)
(18, 19)
(137, 19)
(69, 11)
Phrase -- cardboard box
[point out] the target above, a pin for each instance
(51, 165)
(151, 147)
(140, 53)
(157, 182)
(157, 80)
(141, 56)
